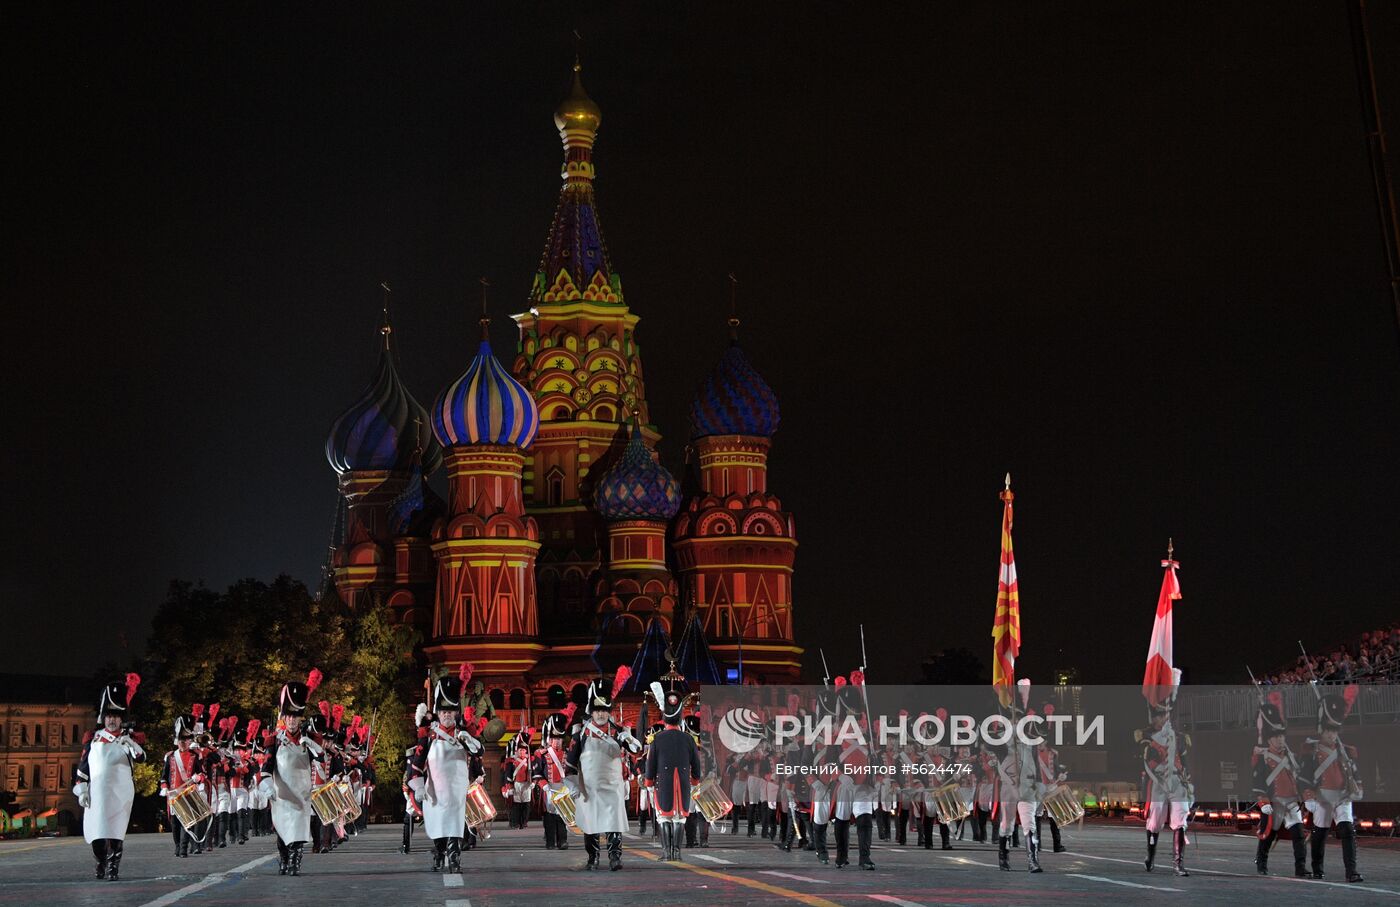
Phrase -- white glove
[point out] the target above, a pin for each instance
(1267, 809)
(1311, 805)
(83, 793)
(471, 744)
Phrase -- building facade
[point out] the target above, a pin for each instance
(563, 543)
(41, 741)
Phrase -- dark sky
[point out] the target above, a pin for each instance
(1127, 251)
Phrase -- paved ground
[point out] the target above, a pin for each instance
(512, 868)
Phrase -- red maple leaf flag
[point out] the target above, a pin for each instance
(1157, 680)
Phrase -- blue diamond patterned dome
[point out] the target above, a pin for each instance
(485, 406)
(734, 400)
(637, 487)
(378, 430)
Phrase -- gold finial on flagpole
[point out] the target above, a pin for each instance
(1170, 548)
(485, 318)
(733, 307)
(1008, 481)
(386, 329)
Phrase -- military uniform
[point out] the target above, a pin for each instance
(442, 772)
(1169, 792)
(1274, 770)
(599, 752)
(550, 771)
(673, 765)
(1332, 783)
(104, 786)
(290, 755)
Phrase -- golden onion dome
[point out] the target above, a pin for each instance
(578, 110)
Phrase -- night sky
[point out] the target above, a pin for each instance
(1128, 252)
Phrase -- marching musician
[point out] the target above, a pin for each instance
(739, 796)
(754, 797)
(598, 755)
(550, 774)
(967, 791)
(1169, 791)
(442, 771)
(261, 781)
(412, 812)
(290, 755)
(1331, 782)
(104, 786)
(821, 793)
(1051, 773)
(886, 801)
(855, 803)
(179, 769)
(987, 796)
(241, 778)
(673, 767)
(515, 778)
(697, 830)
(1275, 773)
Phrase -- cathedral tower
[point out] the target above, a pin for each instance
(734, 542)
(579, 357)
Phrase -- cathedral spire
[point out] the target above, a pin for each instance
(575, 265)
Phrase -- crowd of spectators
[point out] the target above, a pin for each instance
(1375, 658)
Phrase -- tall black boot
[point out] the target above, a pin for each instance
(439, 854)
(1056, 846)
(843, 842)
(614, 850)
(1300, 853)
(454, 855)
(1003, 854)
(550, 836)
(590, 847)
(407, 831)
(642, 823)
(296, 858)
(863, 835)
(819, 842)
(1318, 843)
(1345, 830)
(1032, 851)
(943, 834)
(1179, 852)
(1151, 849)
(1261, 854)
(561, 833)
(222, 833)
(99, 853)
(114, 858)
(243, 825)
(284, 857)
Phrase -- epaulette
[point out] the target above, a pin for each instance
(1139, 736)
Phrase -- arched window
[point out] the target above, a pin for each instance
(498, 698)
(557, 697)
(38, 735)
(23, 735)
(37, 782)
(517, 698)
(579, 694)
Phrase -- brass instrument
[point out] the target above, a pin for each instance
(709, 797)
(480, 809)
(325, 799)
(189, 806)
(563, 799)
(949, 803)
(1063, 806)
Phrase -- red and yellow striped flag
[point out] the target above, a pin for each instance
(1006, 627)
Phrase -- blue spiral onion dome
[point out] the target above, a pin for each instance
(637, 487)
(734, 400)
(485, 406)
(378, 430)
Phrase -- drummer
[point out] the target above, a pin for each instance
(290, 754)
(104, 785)
(549, 769)
(441, 771)
(1052, 773)
(179, 769)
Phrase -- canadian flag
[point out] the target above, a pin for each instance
(1159, 677)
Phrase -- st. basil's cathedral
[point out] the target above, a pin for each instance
(564, 548)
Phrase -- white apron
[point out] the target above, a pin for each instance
(111, 789)
(445, 793)
(291, 791)
(605, 810)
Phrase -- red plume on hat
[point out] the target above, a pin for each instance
(858, 678)
(213, 713)
(465, 672)
(232, 724)
(197, 710)
(325, 706)
(620, 679)
(569, 711)
(313, 680)
(268, 736)
(337, 712)
(251, 729)
(1048, 709)
(839, 681)
(132, 682)
(1349, 694)
(942, 715)
(468, 714)
(1276, 700)
(364, 732)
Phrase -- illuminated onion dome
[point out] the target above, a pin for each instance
(485, 406)
(734, 400)
(378, 430)
(578, 111)
(637, 487)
